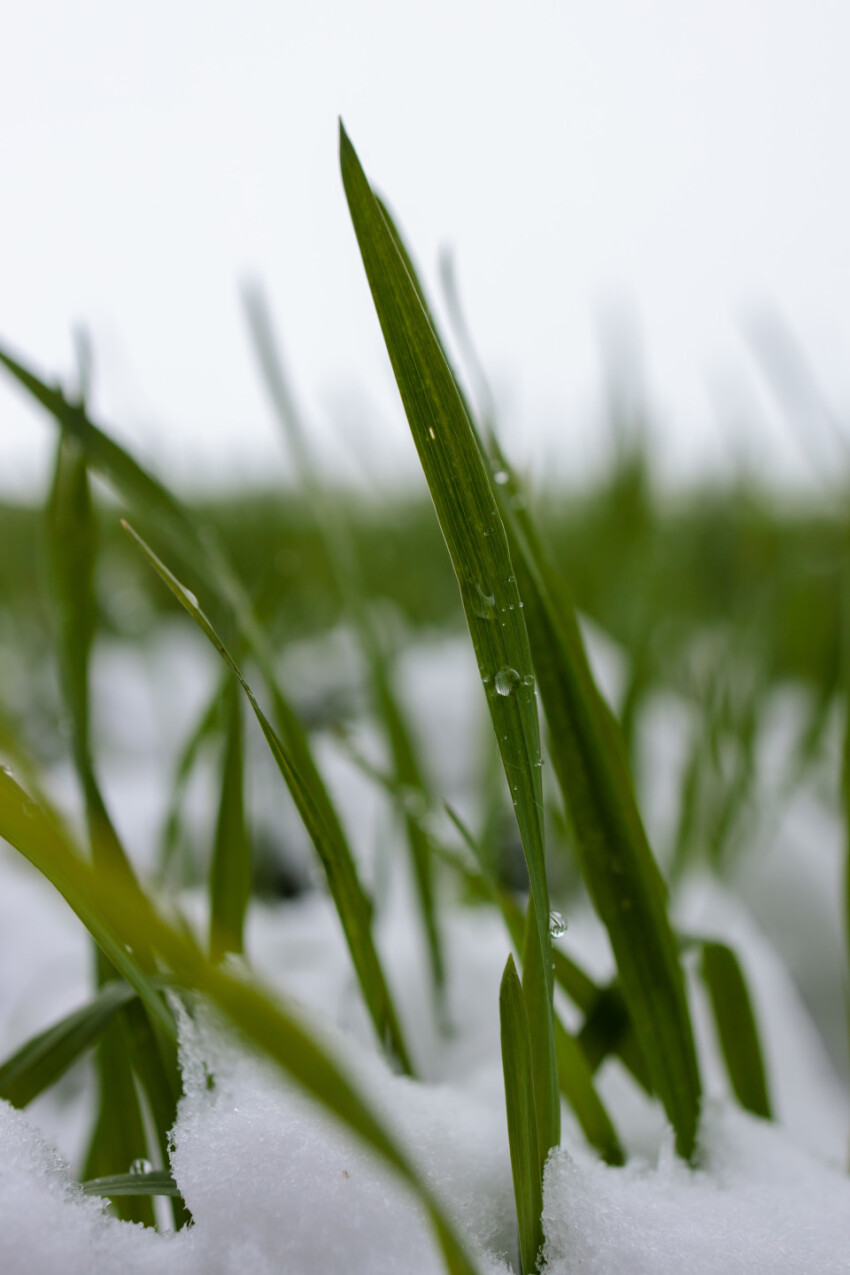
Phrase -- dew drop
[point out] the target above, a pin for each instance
(528, 680)
(506, 680)
(191, 599)
(557, 925)
(431, 433)
(501, 477)
(483, 603)
(141, 1166)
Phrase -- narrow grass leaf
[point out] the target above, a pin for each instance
(522, 1116)
(337, 542)
(230, 878)
(577, 1086)
(41, 1061)
(475, 537)
(736, 1027)
(623, 878)
(351, 901)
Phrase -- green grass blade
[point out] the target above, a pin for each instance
(623, 878)
(203, 730)
(153, 1182)
(475, 537)
(736, 1027)
(336, 540)
(230, 879)
(351, 901)
(41, 1061)
(578, 1088)
(269, 1025)
(522, 1116)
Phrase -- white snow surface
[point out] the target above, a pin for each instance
(274, 1185)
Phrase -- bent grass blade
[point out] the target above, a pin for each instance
(351, 901)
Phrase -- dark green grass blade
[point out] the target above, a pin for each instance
(736, 1027)
(337, 543)
(154, 1182)
(351, 901)
(203, 730)
(576, 1080)
(608, 1030)
(230, 879)
(522, 1116)
(623, 879)
(41, 1061)
(267, 1024)
(475, 537)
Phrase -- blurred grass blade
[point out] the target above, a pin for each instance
(337, 543)
(607, 1030)
(736, 1027)
(622, 877)
(204, 728)
(230, 879)
(351, 901)
(522, 1117)
(475, 537)
(152, 1182)
(113, 905)
(41, 1061)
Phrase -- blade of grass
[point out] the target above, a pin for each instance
(337, 544)
(736, 1027)
(475, 538)
(351, 901)
(41, 1061)
(269, 1025)
(230, 879)
(522, 1116)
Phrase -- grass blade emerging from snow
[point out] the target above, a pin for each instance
(352, 903)
(154, 1182)
(736, 1027)
(41, 1061)
(522, 1116)
(475, 537)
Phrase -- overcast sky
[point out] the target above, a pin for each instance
(593, 164)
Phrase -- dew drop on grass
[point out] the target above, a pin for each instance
(557, 925)
(483, 603)
(501, 477)
(506, 680)
(191, 598)
(141, 1166)
(528, 680)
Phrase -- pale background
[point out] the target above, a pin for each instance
(625, 166)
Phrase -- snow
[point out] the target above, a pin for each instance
(274, 1185)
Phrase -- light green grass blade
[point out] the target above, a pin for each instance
(204, 728)
(230, 878)
(351, 901)
(267, 1024)
(475, 537)
(736, 1027)
(153, 1182)
(337, 542)
(623, 879)
(41, 1061)
(522, 1116)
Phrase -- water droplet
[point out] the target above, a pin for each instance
(557, 925)
(482, 603)
(528, 680)
(191, 599)
(506, 680)
(141, 1166)
(431, 433)
(501, 477)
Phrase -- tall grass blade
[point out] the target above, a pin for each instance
(230, 878)
(154, 1182)
(336, 540)
(522, 1116)
(351, 901)
(475, 537)
(41, 1061)
(736, 1027)
(115, 907)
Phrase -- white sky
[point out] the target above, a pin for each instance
(685, 163)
